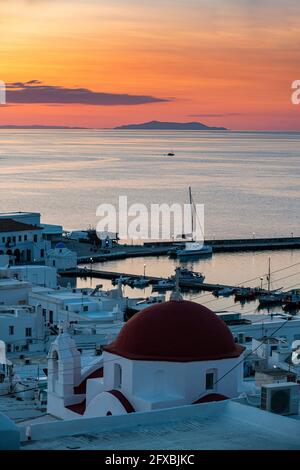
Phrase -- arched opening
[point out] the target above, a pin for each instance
(1, 252)
(17, 255)
(109, 413)
(117, 376)
(9, 252)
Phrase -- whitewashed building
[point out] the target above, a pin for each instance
(22, 242)
(22, 328)
(16, 282)
(36, 275)
(73, 304)
(61, 258)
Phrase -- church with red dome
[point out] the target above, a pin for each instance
(171, 354)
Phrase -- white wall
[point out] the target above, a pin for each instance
(20, 320)
(14, 293)
(36, 275)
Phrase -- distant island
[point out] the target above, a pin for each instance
(152, 125)
(171, 126)
(36, 126)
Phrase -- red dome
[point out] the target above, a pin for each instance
(177, 331)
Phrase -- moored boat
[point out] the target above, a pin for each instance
(163, 285)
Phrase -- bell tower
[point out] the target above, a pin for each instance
(64, 372)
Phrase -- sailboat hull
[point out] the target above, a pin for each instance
(205, 250)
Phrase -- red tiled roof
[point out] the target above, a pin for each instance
(10, 225)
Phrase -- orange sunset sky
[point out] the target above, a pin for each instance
(101, 63)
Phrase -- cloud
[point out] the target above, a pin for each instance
(36, 92)
(216, 115)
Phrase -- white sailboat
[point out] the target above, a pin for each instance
(194, 248)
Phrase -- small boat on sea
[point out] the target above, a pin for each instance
(224, 292)
(140, 283)
(194, 249)
(187, 275)
(292, 301)
(244, 294)
(142, 304)
(272, 298)
(123, 280)
(163, 285)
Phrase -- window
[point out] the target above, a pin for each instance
(117, 376)
(28, 331)
(35, 238)
(44, 312)
(3, 239)
(11, 330)
(25, 238)
(14, 239)
(20, 238)
(296, 337)
(51, 316)
(53, 262)
(210, 379)
(42, 253)
(85, 308)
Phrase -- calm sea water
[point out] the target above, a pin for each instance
(249, 182)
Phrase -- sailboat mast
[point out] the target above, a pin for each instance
(269, 275)
(192, 211)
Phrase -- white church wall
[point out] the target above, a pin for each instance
(93, 387)
(110, 379)
(153, 384)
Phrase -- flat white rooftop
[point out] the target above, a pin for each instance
(229, 426)
(8, 282)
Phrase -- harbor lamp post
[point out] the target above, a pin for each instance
(292, 234)
(261, 282)
(144, 270)
(253, 234)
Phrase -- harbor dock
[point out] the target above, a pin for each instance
(122, 251)
(101, 274)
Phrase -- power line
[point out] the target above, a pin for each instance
(255, 278)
